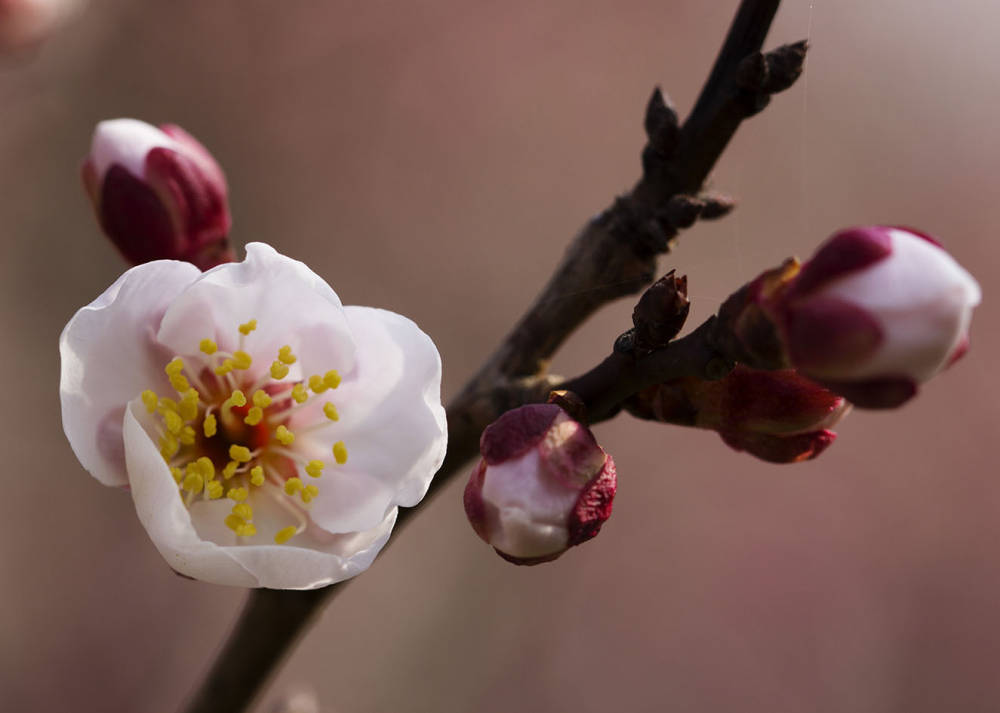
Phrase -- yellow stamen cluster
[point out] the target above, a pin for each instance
(212, 402)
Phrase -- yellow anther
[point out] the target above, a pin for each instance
(285, 355)
(285, 436)
(261, 398)
(254, 416)
(166, 404)
(299, 393)
(331, 411)
(285, 534)
(257, 475)
(238, 494)
(248, 327)
(240, 454)
(173, 421)
(247, 530)
(192, 468)
(214, 489)
(234, 522)
(229, 470)
(340, 452)
(180, 383)
(237, 398)
(309, 492)
(225, 367)
(150, 400)
(174, 366)
(207, 346)
(316, 384)
(292, 486)
(315, 468)
(279, 370)
(187, 435)
(210, 426)
(331, 379)
(169, 446)
(194, 483)
(243, 510)
(188, 406)
(207, 468)
(178, 474)
(242, 360)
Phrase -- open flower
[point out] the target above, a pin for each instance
(267, 433)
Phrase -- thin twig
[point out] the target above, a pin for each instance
(614, 255)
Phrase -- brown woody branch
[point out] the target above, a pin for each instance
(614, 255)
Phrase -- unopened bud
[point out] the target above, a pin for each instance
(542, 486)
(778, 416)
(876, 311)
(158, 194)
(661, 312)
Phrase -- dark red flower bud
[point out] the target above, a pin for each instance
(543, 485)
(158, 194)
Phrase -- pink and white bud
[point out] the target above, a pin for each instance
(876, 311)
(26, 23)
(777, 416)
(158, 194)
(542, 486)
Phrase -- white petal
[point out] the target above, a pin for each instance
(291, 303)
(533, 507)
(307, 564)
(126, 142)
(391, 421)
(109, 356)
(923, 300)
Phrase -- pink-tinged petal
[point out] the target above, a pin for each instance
(886, 392)
(109, 356)
(593, 507)
(829, 335)
(292, 305)
(162, 513)
(391, 421)
(780, 449)
(845, 252)
(517, 431)
(132, 215)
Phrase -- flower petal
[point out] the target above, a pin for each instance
(292, 305)
(109, 355)
(308, 564)
(391, 420)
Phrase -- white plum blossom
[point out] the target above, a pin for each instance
(267, 433)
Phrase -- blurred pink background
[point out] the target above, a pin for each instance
(435, 158)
